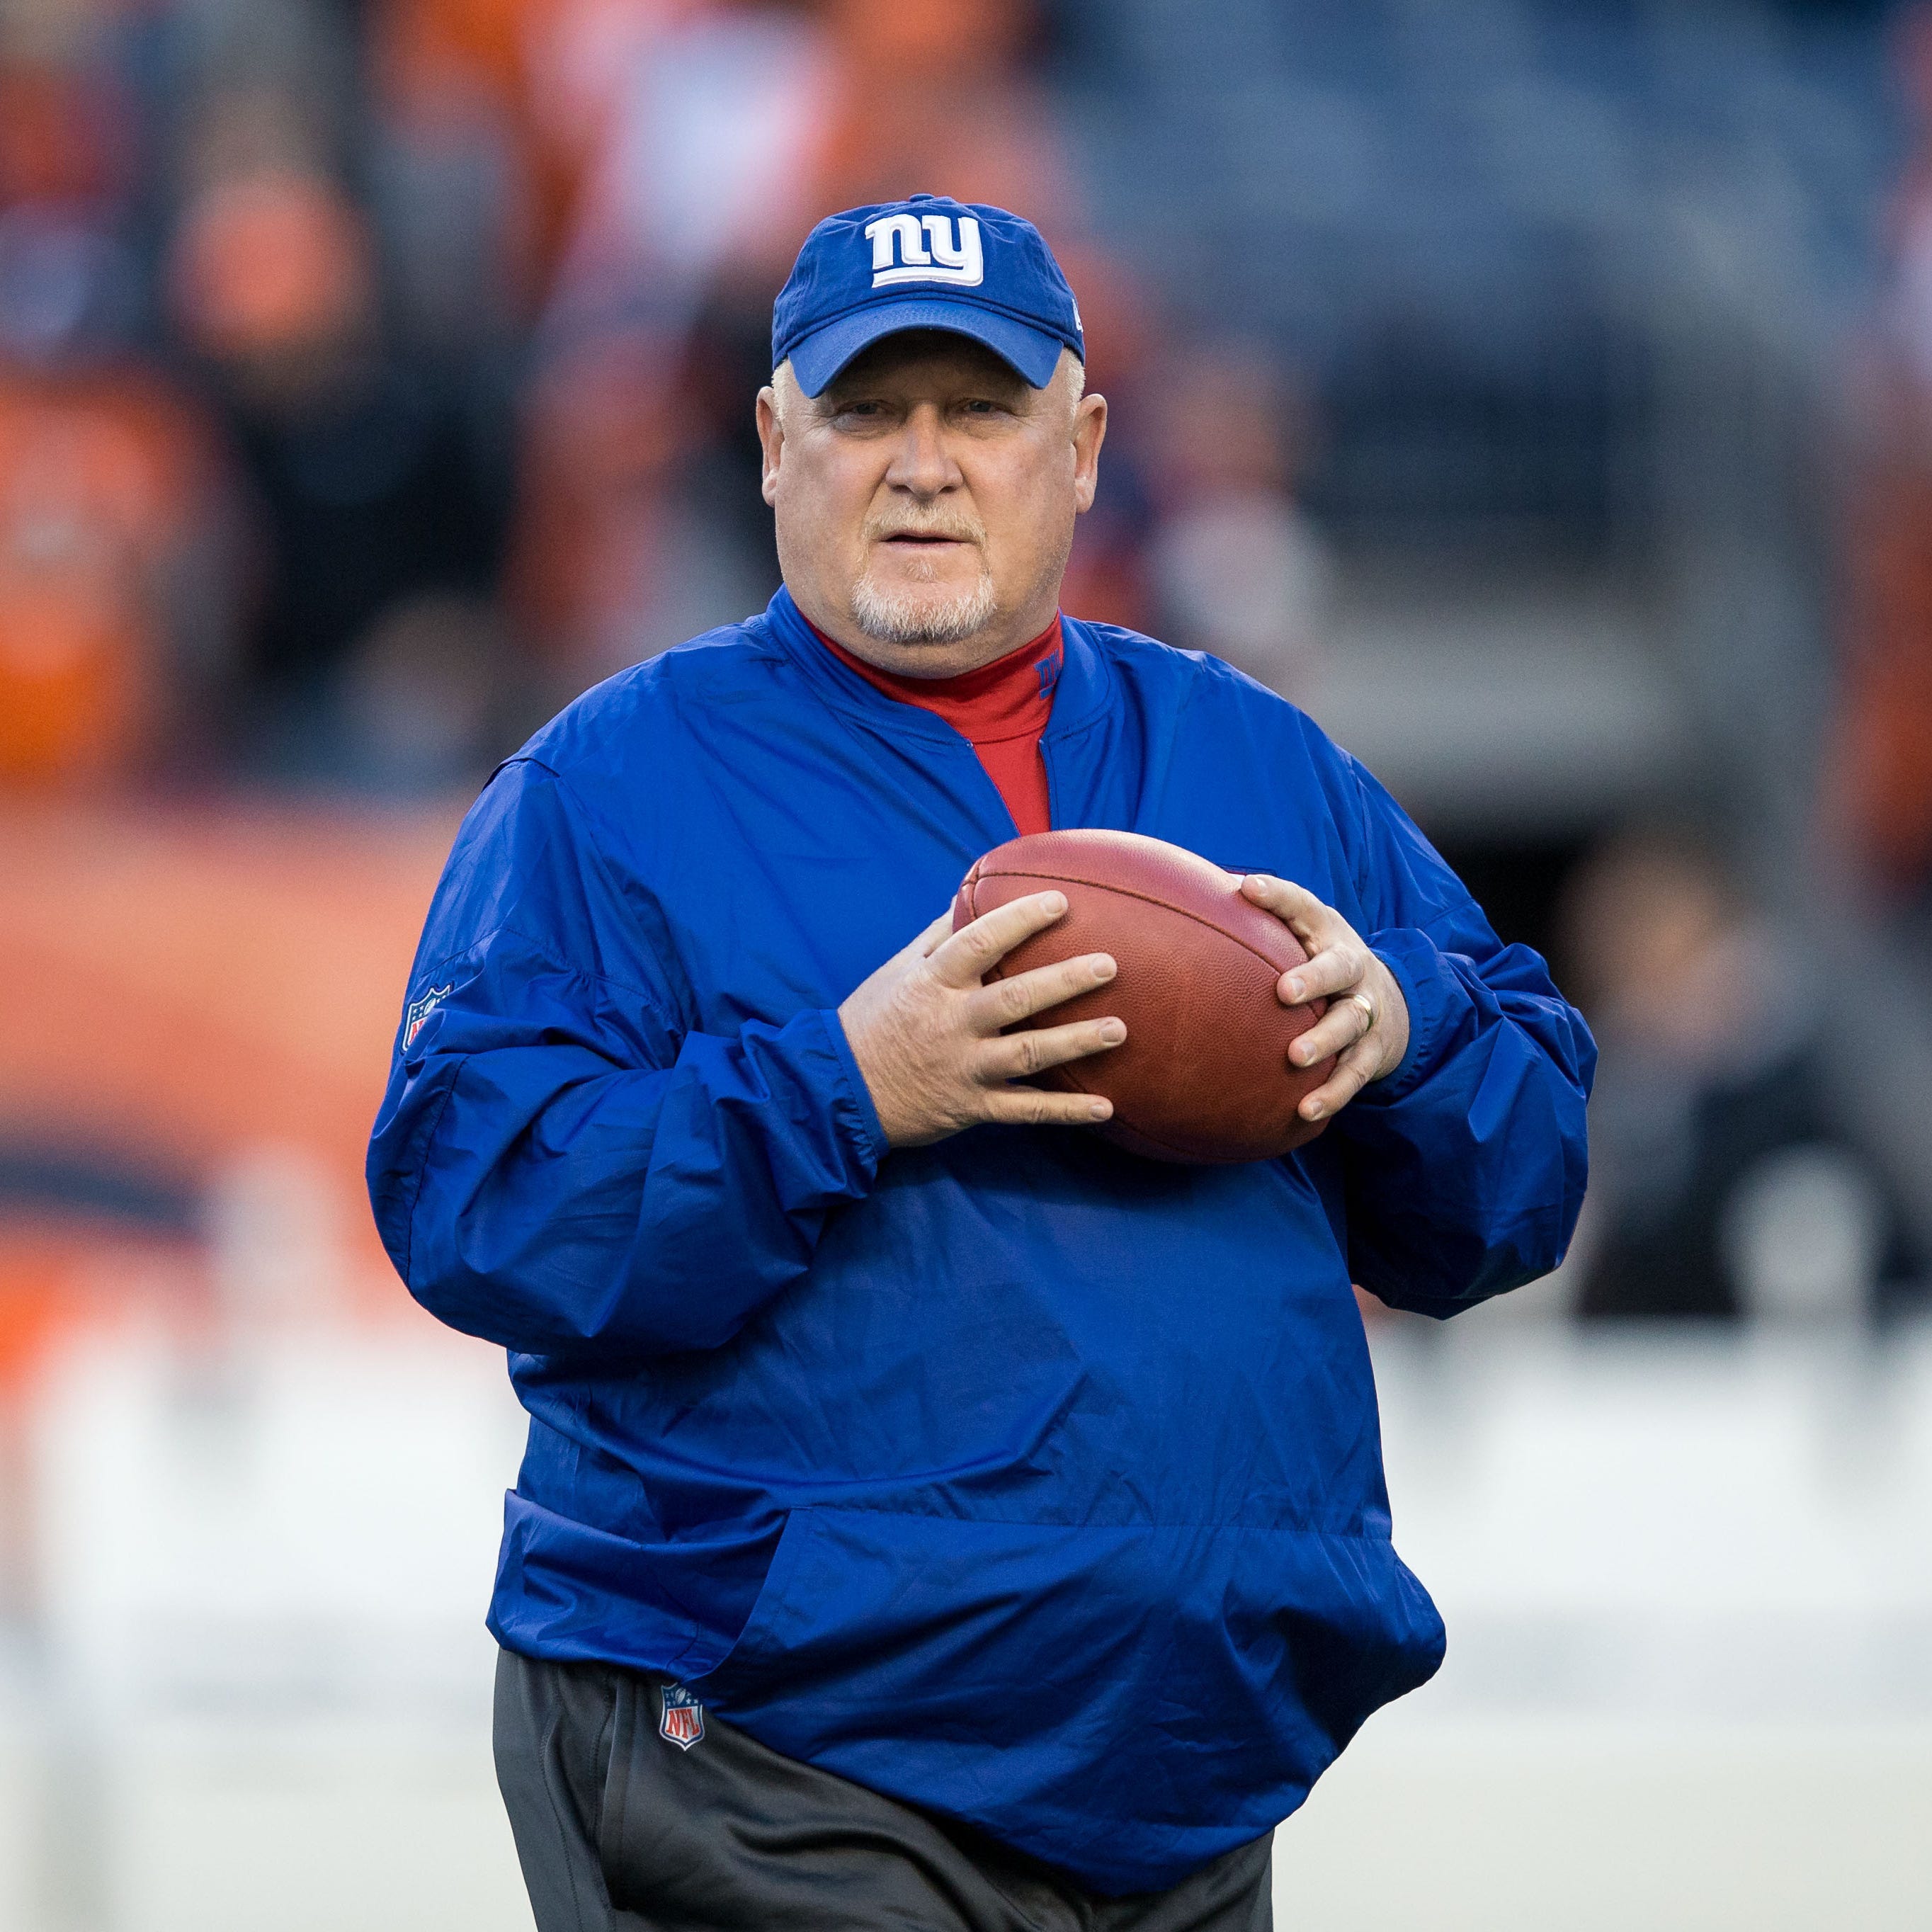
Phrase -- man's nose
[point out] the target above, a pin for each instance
(921, 464)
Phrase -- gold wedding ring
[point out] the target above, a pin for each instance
(1368, 1006)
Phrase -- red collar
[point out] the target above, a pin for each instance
(1011, 697)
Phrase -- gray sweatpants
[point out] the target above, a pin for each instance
(621, 1829)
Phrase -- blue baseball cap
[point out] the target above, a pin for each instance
(927, 263)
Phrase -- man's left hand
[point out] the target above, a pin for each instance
(1367, 1020)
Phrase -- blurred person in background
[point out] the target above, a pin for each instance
(1238, 569)
(496, 118)
(368, 482)
(1722, 1185)
(117, 588)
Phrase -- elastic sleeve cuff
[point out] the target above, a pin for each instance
(854, 1106)
(1430, 992)
(819, 1132)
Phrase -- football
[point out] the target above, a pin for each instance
(1204, 1075)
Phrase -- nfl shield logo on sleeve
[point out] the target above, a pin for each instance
(420, 1010)
(682, 1722)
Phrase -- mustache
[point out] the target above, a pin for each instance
(959, 530)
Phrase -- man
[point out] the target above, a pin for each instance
(934, 1516)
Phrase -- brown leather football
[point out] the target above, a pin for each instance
(1204, 1075)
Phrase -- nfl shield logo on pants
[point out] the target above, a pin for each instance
(682, 1722)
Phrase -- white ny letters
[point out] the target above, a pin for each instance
(933, 255)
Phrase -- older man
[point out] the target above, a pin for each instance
(934, 1516)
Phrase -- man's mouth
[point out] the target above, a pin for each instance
(920, 537)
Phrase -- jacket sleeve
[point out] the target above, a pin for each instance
(1464, 1167)
(559, 1164)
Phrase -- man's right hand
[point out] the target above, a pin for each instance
(928, 1035)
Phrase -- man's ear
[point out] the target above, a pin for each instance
(1090, 431)
(771, 439)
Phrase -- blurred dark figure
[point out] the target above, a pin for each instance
(1238, 569)
(372, 485)
(1720, 1186)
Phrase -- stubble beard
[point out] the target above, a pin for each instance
(912, 616)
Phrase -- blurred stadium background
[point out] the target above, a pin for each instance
(1538, 391)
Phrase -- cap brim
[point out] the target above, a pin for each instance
(1034, 353)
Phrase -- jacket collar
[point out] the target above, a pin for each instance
(1085, 685)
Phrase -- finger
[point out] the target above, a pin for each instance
(1335, 1032)
(1018, 1056)
(933, 936)
(1312, 923)
(1043, 1107)
(1006, 1002)
(1351, 1074)
(1338, 970)
(963, 958)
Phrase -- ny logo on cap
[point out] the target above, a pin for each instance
(959, 260)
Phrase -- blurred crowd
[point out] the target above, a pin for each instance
(376, 374)
(373, 379)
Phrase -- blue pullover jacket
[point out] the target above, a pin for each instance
(1015, 1476)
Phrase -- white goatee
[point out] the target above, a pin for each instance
(914, 617)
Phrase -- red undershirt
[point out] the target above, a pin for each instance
(1000, 709)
